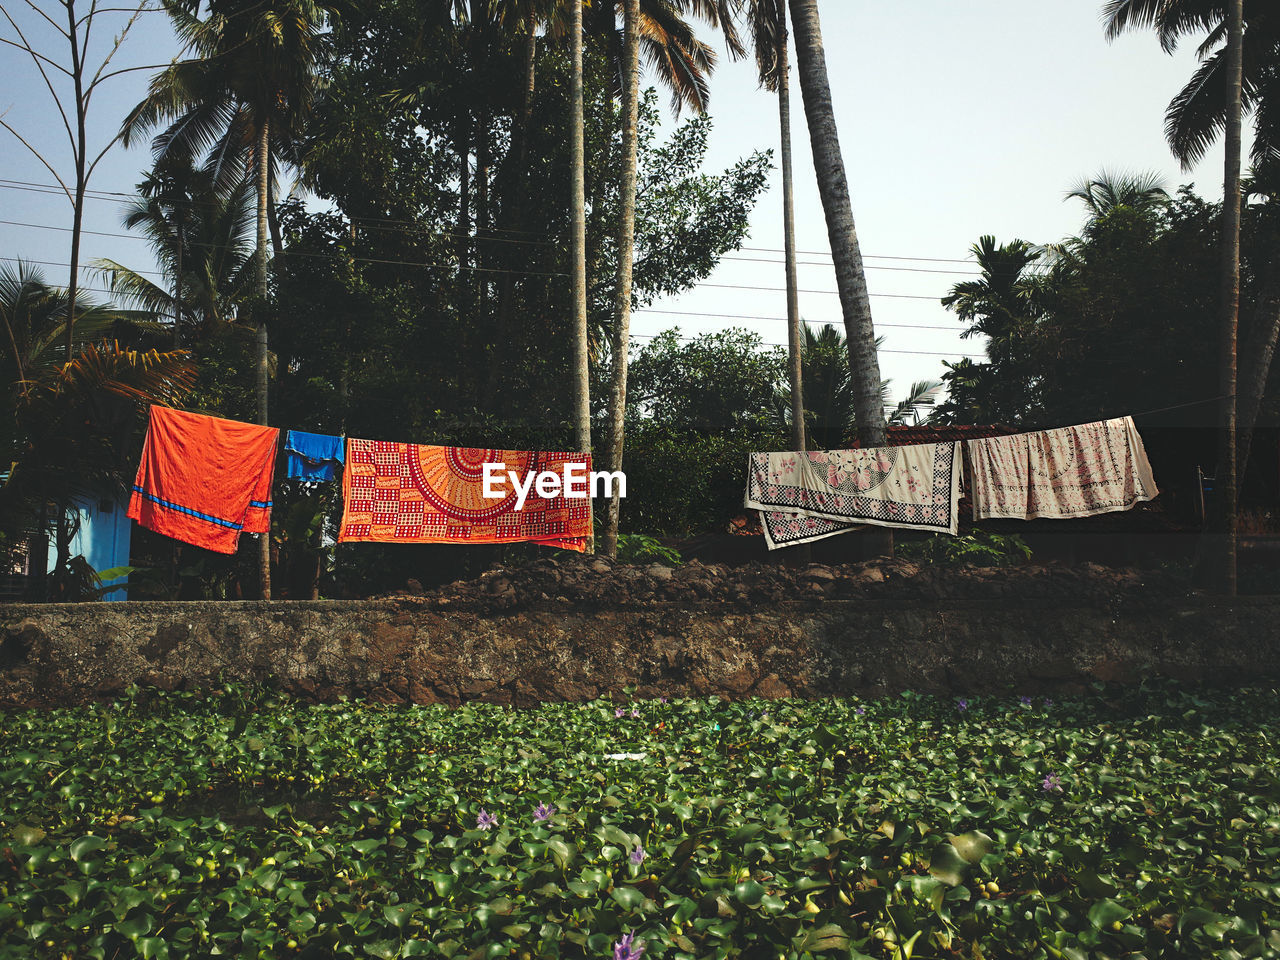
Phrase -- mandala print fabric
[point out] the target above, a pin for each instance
(1072, 472)
(404, 493)
(820, 493)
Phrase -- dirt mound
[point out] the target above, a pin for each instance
(598, 581)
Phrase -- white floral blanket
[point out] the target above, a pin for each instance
(1071, 472)
(820, 493)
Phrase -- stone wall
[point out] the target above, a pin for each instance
(428, 650)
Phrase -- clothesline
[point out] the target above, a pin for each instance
(205, 480)
(1075, 471)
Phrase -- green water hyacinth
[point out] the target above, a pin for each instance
(243, 823)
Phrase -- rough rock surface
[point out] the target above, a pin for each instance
(575, 628)
(596, 581)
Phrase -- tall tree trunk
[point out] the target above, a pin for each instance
(626, 255)
(273, 221)
(179, 215)
(515, 215)
(833, 187)
(794, 340)
(1258, 354)
(1223, 559)
(464, 198)
(578, 246)
(479, 66)
(81, 151)
(260, 334)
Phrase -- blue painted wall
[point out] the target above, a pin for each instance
(103, 540)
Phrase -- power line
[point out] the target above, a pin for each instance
(116, 196)
(738, 316)
(763, 343)
(454, 266)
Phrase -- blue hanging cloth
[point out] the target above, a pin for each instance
(313, 456)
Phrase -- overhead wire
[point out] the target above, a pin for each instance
(392, 224)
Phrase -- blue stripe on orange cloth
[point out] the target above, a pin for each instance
(188, 511)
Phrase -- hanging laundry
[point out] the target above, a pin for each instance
(405, 493)
(203, 480)
(820, 493)
(1070, 472)
(312, 456)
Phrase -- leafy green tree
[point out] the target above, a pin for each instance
(696, 409)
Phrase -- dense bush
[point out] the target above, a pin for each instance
(247, 824)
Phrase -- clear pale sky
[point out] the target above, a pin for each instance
(955, 120)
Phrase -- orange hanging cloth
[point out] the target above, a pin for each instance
(203, 480)
(404, 493)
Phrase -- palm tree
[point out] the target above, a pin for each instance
(833, 187)
(203, 243)
(767, 22)
(1108, 191)
(246, 92)
(61, 441)
(626, 253)
(1001, 306)
(829, 399)
(1213, 100)
(671, 33)
(578, 238)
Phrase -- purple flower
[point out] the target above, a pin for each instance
(486, 820)
(962, 704)
(638, 855)
(1048, 702)
(662, 699)
(635, 712)
(1025, 701)
(542, 813)
(619, 712)
(627, 948)
(860, 711)
(1051, 784)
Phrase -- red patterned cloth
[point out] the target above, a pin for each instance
(1071, 472)
(405, 493)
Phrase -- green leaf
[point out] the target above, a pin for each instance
(749, 892)
(973, 846)
(1197, 917)
(153, 948)
(560, 852)
(27, 836)
(399, 914)
(828, 937)
(947, 865)
(628, 897)
(82, 848)
(1105, 912)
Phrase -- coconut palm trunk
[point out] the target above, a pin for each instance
(626, 254)
(833, 187)
(1258, 354)
(578, 246)
(794, 340)
(262, 156)
(1230, 301)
